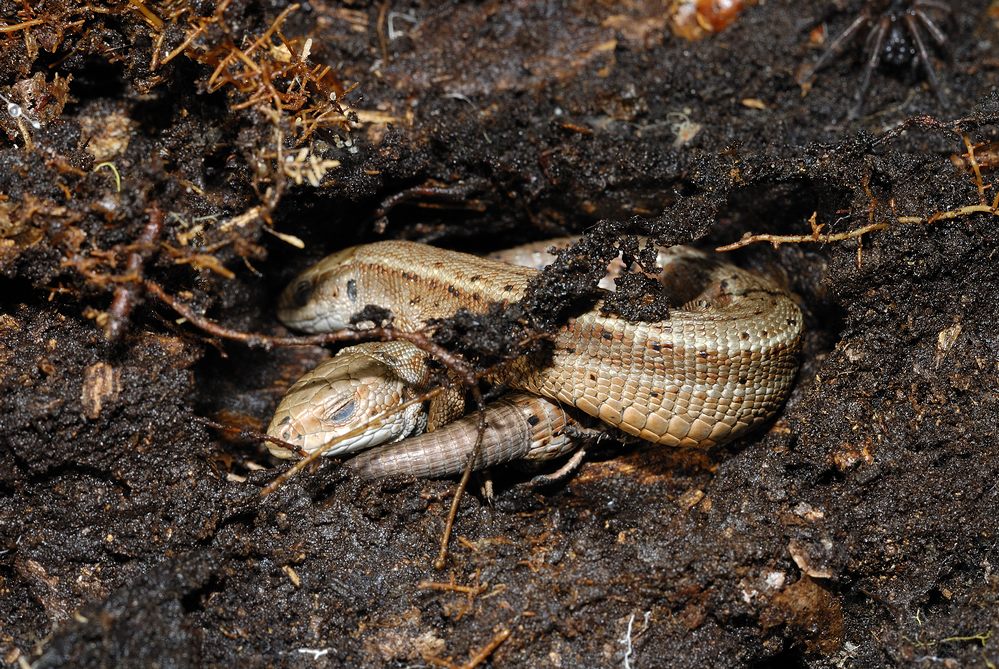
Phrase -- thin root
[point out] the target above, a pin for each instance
(818, 237)
(476, 659)
(128, 292)
(243, 433)
(440, 562)
(487, 650)
(972, 162)
(460, 368)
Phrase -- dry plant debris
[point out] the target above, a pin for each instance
(966, 161)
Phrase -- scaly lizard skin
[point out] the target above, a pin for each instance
(720, 365)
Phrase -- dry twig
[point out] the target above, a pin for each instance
(487, 650)
(481, 656)
(817, 236)
(466, 476)
(462, 370)
(243, 433)
(126, 294)
(465, 373)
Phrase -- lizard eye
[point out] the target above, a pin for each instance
(344, 412)
(303, 291)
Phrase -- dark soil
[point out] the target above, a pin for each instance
(861, 530)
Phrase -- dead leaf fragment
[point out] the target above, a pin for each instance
(101, 383)
(690, 499)
(810, 560)
(754, 103)
(107, 135)
(946, 339)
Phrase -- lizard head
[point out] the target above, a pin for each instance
(339, 399)
(325, 296)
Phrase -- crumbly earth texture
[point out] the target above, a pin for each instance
(204, 146)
